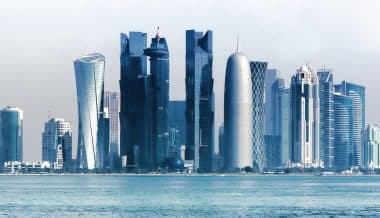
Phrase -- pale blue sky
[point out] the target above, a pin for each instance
(39, 39)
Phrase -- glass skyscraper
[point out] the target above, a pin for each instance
(343, 152)
(177, 119)
(284, 124)
(89, 75)
(112, 103)
(326, 103)
(11, 134)
(199, 99)
(136, 99)
(270, 77)
(304, 119)
(357, 93)
(57, 132)
(372, 147)
(258, 70)
(159, 72)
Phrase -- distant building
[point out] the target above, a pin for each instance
(238, 116)
(112, 102)
(343, 132)
(357, 93)
(57, 132)
(199, 99)
(284, 125)
(372, 147)
(326, 103)
(271, 76)
(305, 118)
(258, 70)
(176, 114)
(89, 76)
(11, 134)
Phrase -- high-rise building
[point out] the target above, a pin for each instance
(284, 125)
(11, 134)
(199, 99)
(57, 132)
(326, 103)
(372, 147)
(271, 76)
(343, 118)
(177, 119)
(258, 70)
(305, 118)
(112, 102)
(238, 108)
(357, 93)
(136, 114)
(159, 71)
(89, 75)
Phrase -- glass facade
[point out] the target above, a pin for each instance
(199, 99)
(177, 119)
(343, 152)
(112, 103)
(357, 93)
(326, 103)
(89, 75)
(372, 147)
(11, 135)
(136, 93)
(305, 118)
(270, 77)
(258, 70)
(159, 71)
(284, 124)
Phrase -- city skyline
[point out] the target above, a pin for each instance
(350, 57)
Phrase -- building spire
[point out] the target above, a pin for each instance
(158, 34)
(237, 43)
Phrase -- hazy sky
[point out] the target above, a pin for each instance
(39, 39)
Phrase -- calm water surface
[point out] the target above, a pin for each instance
(188, 196)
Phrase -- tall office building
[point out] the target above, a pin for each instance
(343, 118)
(357, 93)
(326, 103)
(284, 125)
(271, 76)
(258, 70)
(176, 113)
(136, 143)
(305, 118)
(112, 103)
(57, 132)
(372, 147)
(238, 108)
(89, 75)
(199, 99)
(159, 71)
(11, 134)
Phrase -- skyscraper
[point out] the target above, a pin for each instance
(258, 70)
(326, 103)
(89, 75)
(112, 102)
(177, 119)
(199, 99)
(159, 71)
(136, 101)
(284, 124)
(238, 108)
(270, 77)
(57, 132)
(357, 93)
(305, 118)
(343, 144)
(372, 147)
(11, 134)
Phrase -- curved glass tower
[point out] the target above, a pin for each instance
(89, 76)
(238, 119)
(11, 126)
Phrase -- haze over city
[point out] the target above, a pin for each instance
(40, 40)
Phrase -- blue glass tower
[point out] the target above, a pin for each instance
(11, 134)
(135, 102)
(284, 124)
(258, 70)
(326, 103)
(357, 93)
(343, 151)
(199, 99)
(159, 72)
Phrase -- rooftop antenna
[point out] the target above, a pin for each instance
(237, 43)
(158, 34)
(49, 114)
